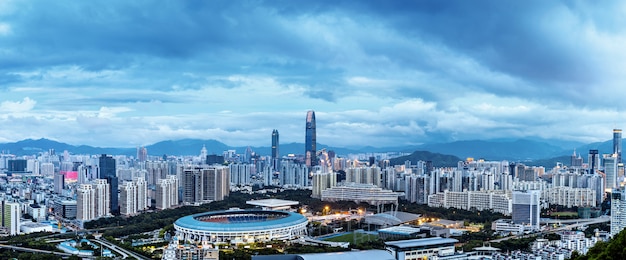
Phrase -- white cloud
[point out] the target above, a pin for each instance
(25, 105)
(5, 29)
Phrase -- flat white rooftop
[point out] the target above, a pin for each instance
(422, 242)
(404, 230)
(272, 203)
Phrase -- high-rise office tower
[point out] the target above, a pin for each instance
(275, 149)
(11, 214)
(205, 184)
(192, 185)
(618, 211)
(610, 171)
(59, 183)
(310, 140)
(617, 144)
(108, 172)
(142, 154)
(526, 208)
(216, 183)
(594, 160)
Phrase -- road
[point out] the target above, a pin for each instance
(31, 250)
(578, 223)
(563, 221)
(123, 252)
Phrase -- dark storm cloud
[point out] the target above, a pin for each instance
(533, 40)
(486, 64)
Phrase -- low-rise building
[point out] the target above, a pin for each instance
(422, 248)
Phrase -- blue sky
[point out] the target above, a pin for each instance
(381, 73)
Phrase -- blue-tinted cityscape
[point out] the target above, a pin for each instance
(402, 130)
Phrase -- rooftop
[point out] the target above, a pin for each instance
(348, 255)
(405, 230)
(272, 203)
(431, 241)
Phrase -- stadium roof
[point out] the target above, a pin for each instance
(289, 219)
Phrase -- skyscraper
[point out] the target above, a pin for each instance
(108, 172)
(59, 183)
(128, 199)
(167, 192)
(610, 170)
(526, 208)
(618, 211)
(275, 149)
(594, 160)
(103, 195)
(617, 144)
(142, 154)
(310, 140)
(10, 217)
(205, 184)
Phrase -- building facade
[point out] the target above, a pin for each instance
(618, 211)
(310, 140)
(205, 184)
(526, 208)
(108, 171)
(275, 150)
(167, 192)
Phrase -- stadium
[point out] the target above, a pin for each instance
(240, 226)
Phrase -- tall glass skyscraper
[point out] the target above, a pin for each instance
(274, 144)
(275, 150)
(310, 140)
(617, 144)
(108, 172)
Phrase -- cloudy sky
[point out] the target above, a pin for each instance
(382, 73)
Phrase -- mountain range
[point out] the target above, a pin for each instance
(501, 149)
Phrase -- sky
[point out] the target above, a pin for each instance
(380, 73)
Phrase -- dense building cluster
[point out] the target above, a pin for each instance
(75, 189)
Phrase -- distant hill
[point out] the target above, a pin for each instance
(549, 163)
(602, 147)
(522, 150)
(31, 146)
(516, 150)
(169, 147)
(187, 147)
(439, 160)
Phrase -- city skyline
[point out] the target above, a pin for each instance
(118, 74)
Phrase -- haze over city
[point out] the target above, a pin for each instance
(119, 73)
